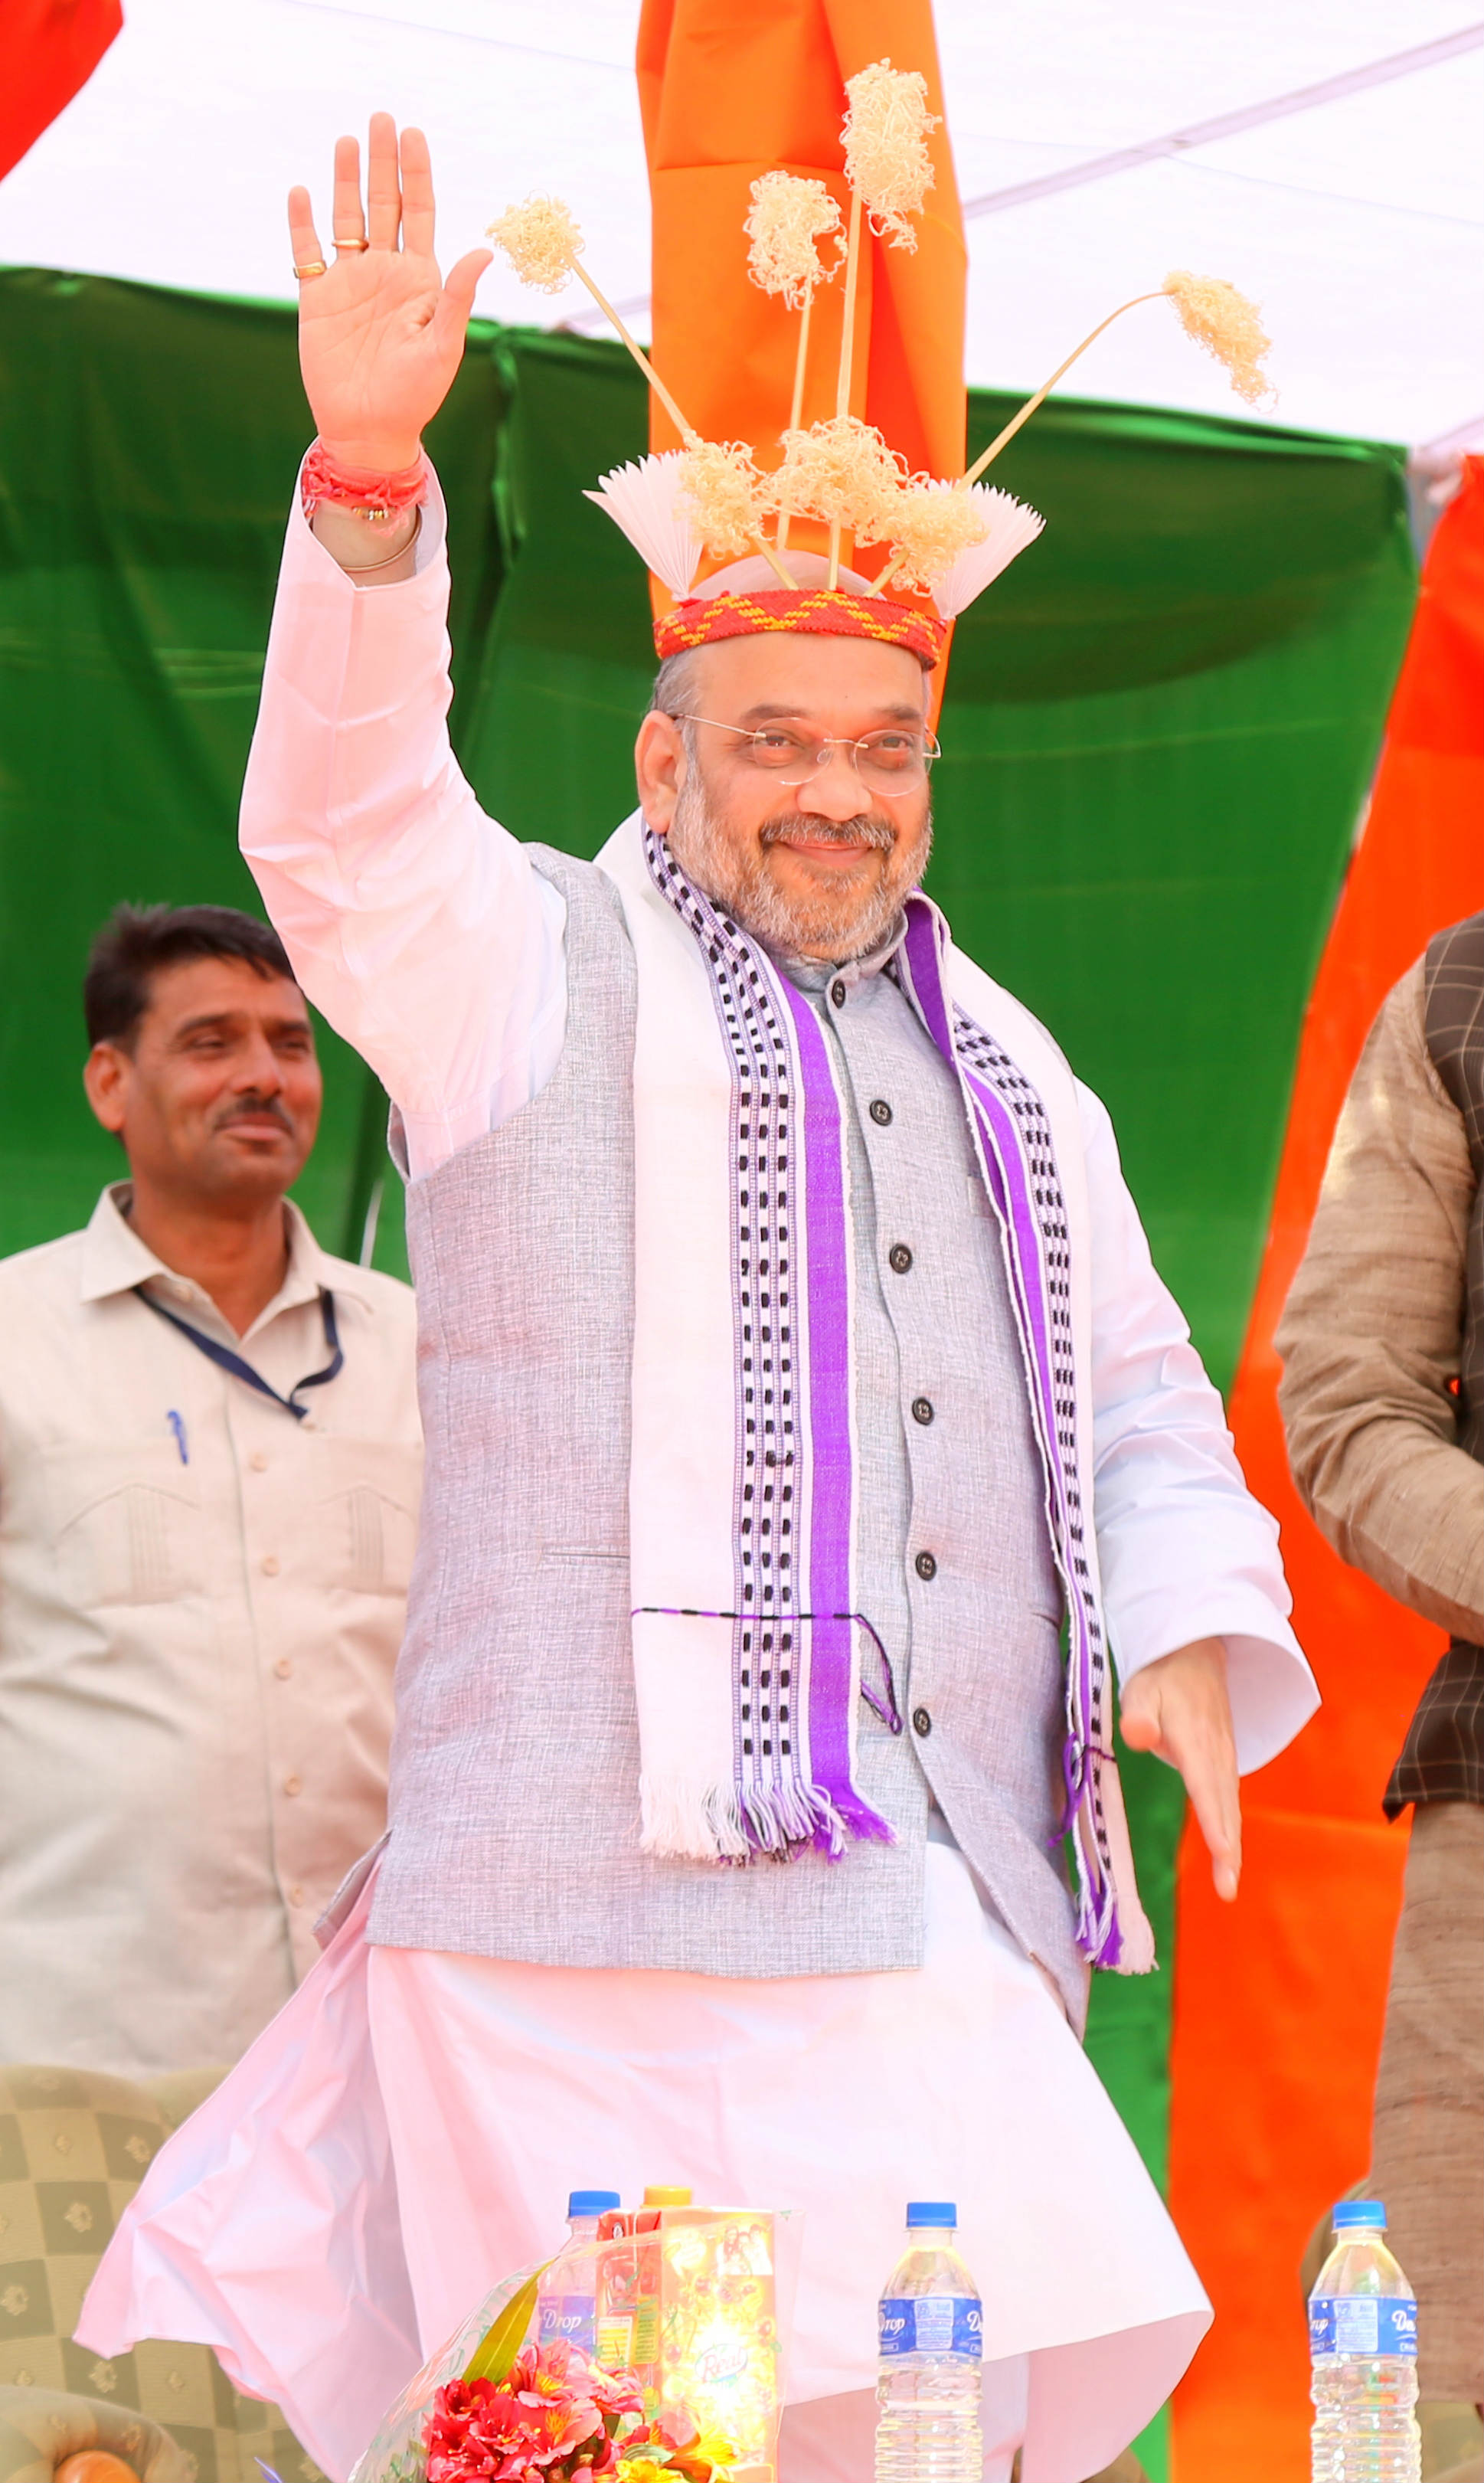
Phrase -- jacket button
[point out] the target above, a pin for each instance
(921, 1723)
(837, 993)
(922, 1409)
(900, 1257)
(925, 1565)
(881, 1112)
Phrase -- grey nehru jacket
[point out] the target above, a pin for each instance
(515, 1788)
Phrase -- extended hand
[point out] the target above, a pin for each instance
(380, 333)
(1177, 1707)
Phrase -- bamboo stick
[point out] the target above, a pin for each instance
(689, 436)
(775, 564)
(796, 410)
(847, 354)
(1002, 438)
(1043, 393)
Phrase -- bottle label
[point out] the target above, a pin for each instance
(931, 2323)
(616, 2341)
(571, 2318)
(1359, 2326)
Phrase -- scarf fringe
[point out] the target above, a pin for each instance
(683, 1820)
(1113, 1930)
(711, 1822)
(789, 1820)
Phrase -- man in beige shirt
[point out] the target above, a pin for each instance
(1383, 1402)
(210, 1460)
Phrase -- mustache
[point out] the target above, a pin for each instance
(867, 828)
(254, 1108)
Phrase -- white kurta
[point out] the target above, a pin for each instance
(407, 2129)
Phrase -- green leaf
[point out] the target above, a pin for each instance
(494, 2355)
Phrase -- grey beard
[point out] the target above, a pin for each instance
(839, 924)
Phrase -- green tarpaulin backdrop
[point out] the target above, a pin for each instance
(1158, 732)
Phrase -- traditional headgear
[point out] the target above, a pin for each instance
(714, 523)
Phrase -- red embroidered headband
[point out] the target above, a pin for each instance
(823, 612)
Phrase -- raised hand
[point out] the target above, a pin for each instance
(380, 333)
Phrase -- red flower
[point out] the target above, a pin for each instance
(551, 2417)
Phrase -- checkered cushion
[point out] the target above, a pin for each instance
(74, 2146)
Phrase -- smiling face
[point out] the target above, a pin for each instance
(217, 1094)
(820, 869)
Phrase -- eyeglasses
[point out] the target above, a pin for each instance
(894, 761)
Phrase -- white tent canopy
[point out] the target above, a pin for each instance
(1325, 155)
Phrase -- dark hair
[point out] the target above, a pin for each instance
(137, 941)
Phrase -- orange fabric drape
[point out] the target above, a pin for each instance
(1278, 2002)
(728, 92)
(50, 48)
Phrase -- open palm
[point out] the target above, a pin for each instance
(380, 333)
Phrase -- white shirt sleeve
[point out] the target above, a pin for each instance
(415, 924)
(1185, 1550)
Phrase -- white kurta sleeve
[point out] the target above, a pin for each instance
(1185, 1550)
(415, 924)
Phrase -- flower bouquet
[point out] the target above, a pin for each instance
(555, 2417)
(667, 2370)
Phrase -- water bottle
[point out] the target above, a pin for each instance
(932, 2343)
(1363, 2349)
(568, 2295)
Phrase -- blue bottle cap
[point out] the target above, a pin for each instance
(592, 2203)
(931, 2211)
(1351, 2212)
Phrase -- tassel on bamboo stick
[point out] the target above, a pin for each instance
(890, 171)
(788, 218)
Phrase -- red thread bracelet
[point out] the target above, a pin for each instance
(376, 496)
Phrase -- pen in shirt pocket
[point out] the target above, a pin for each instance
(176, 1423)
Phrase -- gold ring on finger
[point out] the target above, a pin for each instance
(311, 267)
(354, 243)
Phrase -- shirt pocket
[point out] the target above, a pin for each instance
(365, 1512)
(126, 1524)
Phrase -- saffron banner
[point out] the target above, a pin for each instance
(1279, 2001)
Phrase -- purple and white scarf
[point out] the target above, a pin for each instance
(750, 1653)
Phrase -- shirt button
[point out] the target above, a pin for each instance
(921, 1723)
(837, 991)
(296, 1896)
(925, 1565)
(921, 1412)
(900, 1257)
(283, 1667)
(881, 1112)
(258, 1462)
(293, 1784)
(271, 1558)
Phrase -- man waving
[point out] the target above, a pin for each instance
(795, 1381)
